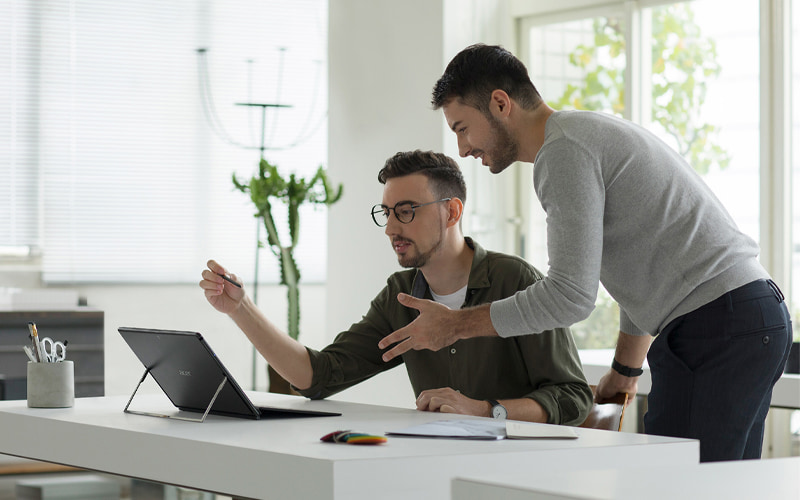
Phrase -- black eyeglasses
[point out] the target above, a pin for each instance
(404, 211)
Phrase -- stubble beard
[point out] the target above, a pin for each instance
(420, 259)
(503, 149)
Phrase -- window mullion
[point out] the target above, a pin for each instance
(775, 140)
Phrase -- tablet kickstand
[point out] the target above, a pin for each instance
(175, 417)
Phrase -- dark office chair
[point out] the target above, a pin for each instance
(607, 414)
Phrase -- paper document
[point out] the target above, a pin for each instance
(487, 429)
(459, 429)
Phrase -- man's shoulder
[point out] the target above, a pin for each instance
(503, 262)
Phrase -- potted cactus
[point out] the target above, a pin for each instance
(265, 189)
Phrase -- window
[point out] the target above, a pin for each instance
(117, 174)
(689, 78)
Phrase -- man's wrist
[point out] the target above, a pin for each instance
(475, 322)
(624, 370)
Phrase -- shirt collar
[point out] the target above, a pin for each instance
(478, 273)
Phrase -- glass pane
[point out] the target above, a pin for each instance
(579, 65)
(703, 71)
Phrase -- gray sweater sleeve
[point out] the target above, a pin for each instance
(573, 198)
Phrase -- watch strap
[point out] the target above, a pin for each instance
(626, 371)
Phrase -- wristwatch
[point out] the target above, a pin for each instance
(626, 371)
(498, 411)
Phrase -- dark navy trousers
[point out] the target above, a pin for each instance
(714, 368)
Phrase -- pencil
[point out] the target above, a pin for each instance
(230, 280)
(38, 352)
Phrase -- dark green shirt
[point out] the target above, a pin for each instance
(544, 367)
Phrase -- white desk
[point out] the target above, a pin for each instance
(596, 362)
(777, 478)
(285, 459)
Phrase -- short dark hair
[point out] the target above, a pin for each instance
(443, 173)
(477, 71)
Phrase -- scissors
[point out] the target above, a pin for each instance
(53, 351)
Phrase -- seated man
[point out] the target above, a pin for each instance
(531, 377)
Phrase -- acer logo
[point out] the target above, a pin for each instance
(185, 373)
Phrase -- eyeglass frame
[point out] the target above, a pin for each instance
(381, 208)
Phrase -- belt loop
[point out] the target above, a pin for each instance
(776, 290)
(729, 301)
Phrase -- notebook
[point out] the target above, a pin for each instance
(189, 373)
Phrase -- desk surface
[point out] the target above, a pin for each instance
(282, 458)
(775, 478)
(596, 362)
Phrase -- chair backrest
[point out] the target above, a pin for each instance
(608, 413)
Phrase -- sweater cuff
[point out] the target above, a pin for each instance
(505, 315)
(627, 326)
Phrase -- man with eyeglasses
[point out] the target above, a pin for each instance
(536, 378)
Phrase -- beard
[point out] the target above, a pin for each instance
(419, 259)
(503, 150)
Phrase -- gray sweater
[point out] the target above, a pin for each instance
(626, 210)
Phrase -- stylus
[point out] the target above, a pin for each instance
(230, 280)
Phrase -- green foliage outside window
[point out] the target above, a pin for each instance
(683, 63)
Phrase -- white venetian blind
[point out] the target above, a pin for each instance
(19, 209)
(131, 181)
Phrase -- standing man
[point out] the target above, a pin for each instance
(625, 210)
(536, 377)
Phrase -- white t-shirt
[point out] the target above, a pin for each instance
(454, 300)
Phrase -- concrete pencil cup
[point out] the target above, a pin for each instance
(51, 385)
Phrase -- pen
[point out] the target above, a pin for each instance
(36, 345)
(230, 280)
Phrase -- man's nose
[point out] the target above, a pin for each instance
(463, 147)
(392, 224)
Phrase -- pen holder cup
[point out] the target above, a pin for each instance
(51, 385)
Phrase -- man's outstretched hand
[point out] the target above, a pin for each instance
(437, 326)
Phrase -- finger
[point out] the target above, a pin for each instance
(412, 302)
(211, 287)
(435, 404)
(211, 281)
(398, 350)
(447, 409)
(394, 337)
(215, 267)
(425, 397)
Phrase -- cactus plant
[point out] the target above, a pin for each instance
(269, 187)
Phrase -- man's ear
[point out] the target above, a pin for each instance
(500, 103)
(455, 210)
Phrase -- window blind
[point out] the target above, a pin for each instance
(134, 177)
(19, 173)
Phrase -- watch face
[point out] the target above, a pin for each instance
(499, 412)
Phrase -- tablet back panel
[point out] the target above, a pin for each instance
(188, 371)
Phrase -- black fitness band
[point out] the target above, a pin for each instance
(625, 370)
